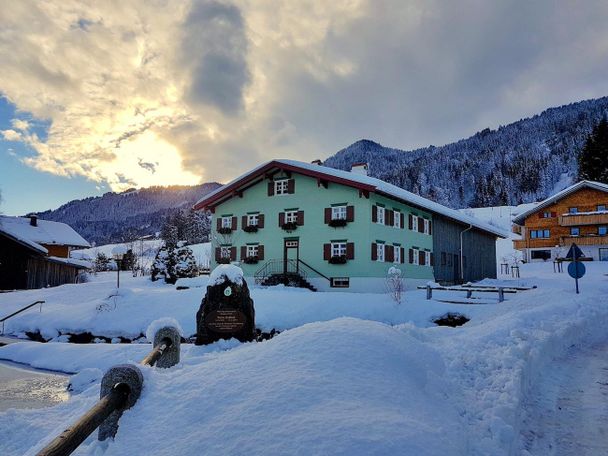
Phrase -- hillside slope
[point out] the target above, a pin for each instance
(518, 163)
(115, 217)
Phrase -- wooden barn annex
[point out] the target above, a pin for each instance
(35, 253)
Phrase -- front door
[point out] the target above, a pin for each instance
(603, 254)
(291, 255)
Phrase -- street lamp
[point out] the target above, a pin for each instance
(118, 254)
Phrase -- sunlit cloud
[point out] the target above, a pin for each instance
(145, 93)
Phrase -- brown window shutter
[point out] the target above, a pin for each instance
(402, 256)
(300, 218)
(232, 253)
(243, 221)
(390, 253)
(326, 251)
(350, 213)
(218, 254)
(261, 221)
(219, 223)
(374, 251)
(390, 218)
(281, 218)
(410, 218)
(553, 214)
(411, 256)
(540, 215)
(420, 225)
(327, 217)
(402, 224)
(432, 260)
(430, 227)
(243, 252)
(291, 186)
(350, 250)
(234, 219)
(270, 188)
(260, 252)
(421, 257)
(374, 213)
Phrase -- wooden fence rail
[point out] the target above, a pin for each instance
(19, 311)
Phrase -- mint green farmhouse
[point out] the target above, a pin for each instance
(309, 225)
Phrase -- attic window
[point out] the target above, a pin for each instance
(281, 187)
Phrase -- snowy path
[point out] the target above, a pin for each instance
(567, 413)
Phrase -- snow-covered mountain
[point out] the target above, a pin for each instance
(522, 162)
(116, 217)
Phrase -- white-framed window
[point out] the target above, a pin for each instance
(414, 223)
(380, 252)
(225, 251)
(291, 216)
(427, 226)
(338, 249)
(397, 254)
(227, 222)
(338, 213)
(340, 282)
(416, 256)
(427, 258)
(546, 214)
(253, 219)
(252, 250)
(281, 187)
(380, 218)
(397, 219)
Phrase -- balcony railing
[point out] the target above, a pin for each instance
(584, 219)
(592, 239)
(535, 243)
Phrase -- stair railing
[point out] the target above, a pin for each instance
(19, 311)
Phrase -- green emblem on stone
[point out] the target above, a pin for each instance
(227, 291)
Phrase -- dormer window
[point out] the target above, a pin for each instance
(281, 187)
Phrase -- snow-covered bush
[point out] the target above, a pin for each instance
(172, 263)
(101, 262)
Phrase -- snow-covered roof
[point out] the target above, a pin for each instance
(351, 179)
(46, 232)
(521, 218)
(80, 264)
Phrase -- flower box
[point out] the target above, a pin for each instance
(338, 259)
(223, 261)
(289, 226)
(337, 223)
(250, 229)
(250, 260)
(224, 230)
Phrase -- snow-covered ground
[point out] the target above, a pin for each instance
(350, 373)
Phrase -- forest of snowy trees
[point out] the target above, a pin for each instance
(122, 217)
(522, 162)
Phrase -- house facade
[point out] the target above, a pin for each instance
(578, 214)
(335, 229)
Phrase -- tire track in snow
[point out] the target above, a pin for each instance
(567, 411)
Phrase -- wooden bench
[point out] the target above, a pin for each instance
(470, 290)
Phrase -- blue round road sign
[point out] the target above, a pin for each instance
(576, 269)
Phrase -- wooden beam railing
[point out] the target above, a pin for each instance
(23, 309)
(120, 389)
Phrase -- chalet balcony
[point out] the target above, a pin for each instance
(535, 243)
(591, 218)
(588, 239)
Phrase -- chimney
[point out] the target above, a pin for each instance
(33, 219)
(360, 168)
(317, 162)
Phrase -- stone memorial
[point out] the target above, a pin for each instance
(226, 311)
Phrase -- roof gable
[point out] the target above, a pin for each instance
(521, 218)
(46, 232)
(359, 181)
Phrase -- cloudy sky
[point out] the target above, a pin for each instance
(99, 96)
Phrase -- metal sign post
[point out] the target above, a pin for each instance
(576, 269)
